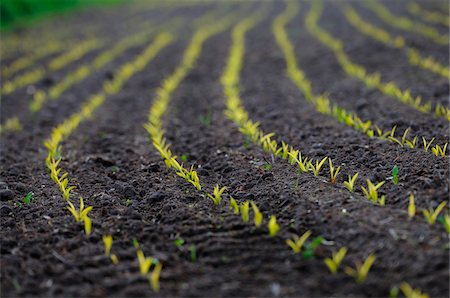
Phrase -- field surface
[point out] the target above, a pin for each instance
(142, 109)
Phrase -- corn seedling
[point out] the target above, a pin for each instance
(411, 206)
(432, 214)
(446, 220)
(438, 151)
(258, 217)
(426, 145)
(310, 247)
(81, 215)
(273, 226)
(27, 198)
(371, 192)
(154, 277)
(362, 270)
(316, 169)
(395, 175)
(335, 261)
(107, 242)
(234, 206)
(409, 292)
(193, 252)
(216, 197)
(144, 262)
(333, 172)
(179, 242)
(11, 124)
(244, 208)
(297, 242)
(350, 184)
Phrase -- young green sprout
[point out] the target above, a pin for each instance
(217, 194)
(335, 261)
(244, 211)
(297, 243)
(409, 292)
(316, 169)
(154, 277)
(350, 184)
(333, 172)
(273, 226)
(193, 252)
(371, 192)
(362, 270)
(395, 175)
(310, 247)
(27, 198)
(234, 206)
(257, 215)
(81, 215)
(411, 206)
(431, 215)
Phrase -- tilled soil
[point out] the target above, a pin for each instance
(117, 170)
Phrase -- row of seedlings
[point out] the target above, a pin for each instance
(405, 23)
(98, 63)
(237, 113)
(57, 63)
(324, 105)
(358, 71)
(414, 56)
(434, 17)
(62, 131)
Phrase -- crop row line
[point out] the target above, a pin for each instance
(55, 64)
(372, 80)
(100, 61)
(237, 113)
(405, 23)
(414, 56)
(427, 15)
(27, 60)
(68, 126)
(323, 104)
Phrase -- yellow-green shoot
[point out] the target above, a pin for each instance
(297, 242)
(371, 192)
(216, 197)
(107, 242)
(438, 151)
(333, 172)
(244, 208)
(81, 215)
(316, 169)
(257, 215)
(409, 292)
(426, 144)
(431, 214)
(234, 206)
(335, 261)
(350, 184)
(273, 226)
(411, 206)
(154, 277)
(362, 270)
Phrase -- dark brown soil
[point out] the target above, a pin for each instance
(116, 169)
